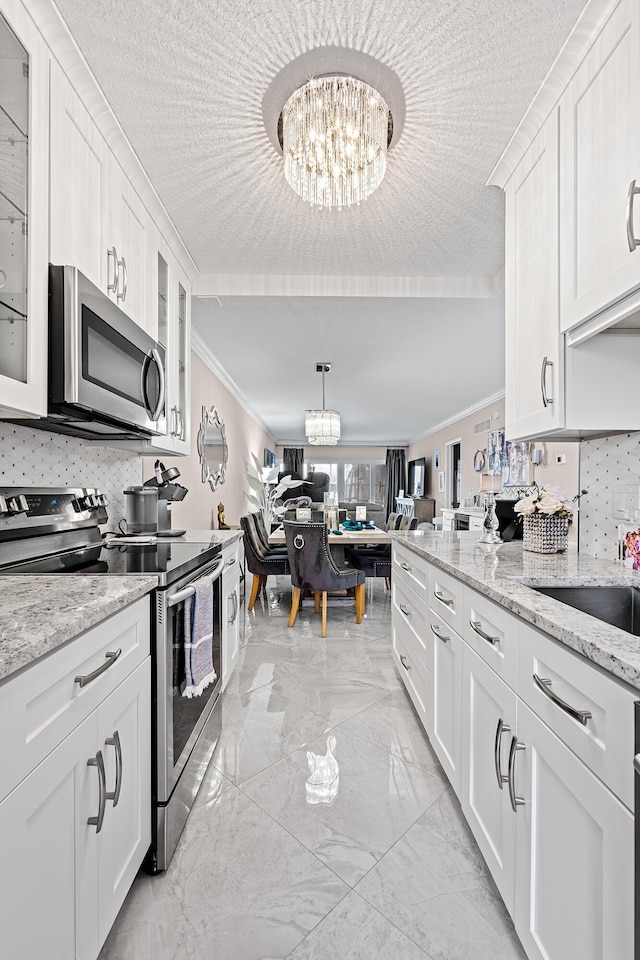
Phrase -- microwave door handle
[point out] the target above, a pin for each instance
(152, 356)
(155, 356)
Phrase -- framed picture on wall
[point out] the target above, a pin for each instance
(269, 458)
(441, 482)
(436, 460)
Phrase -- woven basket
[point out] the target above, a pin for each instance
(545, 534)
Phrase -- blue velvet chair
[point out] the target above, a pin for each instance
(261, 562)
(313, 568)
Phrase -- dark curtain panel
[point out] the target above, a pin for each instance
(293, 460)
(396, 478)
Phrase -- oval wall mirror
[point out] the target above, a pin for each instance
(212, 447)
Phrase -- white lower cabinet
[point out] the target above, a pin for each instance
(447, 695)
(231, 612)
(488, 719)
(574, 854)
(545, 808)
(74, 831)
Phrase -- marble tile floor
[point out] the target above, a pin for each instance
(326, 828)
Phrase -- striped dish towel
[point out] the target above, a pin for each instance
(198, 639)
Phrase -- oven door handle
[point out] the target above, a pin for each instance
(187, 592)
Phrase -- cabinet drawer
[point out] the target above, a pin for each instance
(409, 610)
(493, 633)
(42, 705)
(231, 569)
(605, 741)
(411, 569)
(415, 674)
(445, 598)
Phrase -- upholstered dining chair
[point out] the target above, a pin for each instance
(313, 568)
(261, 562)
(375, 561)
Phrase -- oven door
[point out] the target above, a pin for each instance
(180, 719)
(102, 362)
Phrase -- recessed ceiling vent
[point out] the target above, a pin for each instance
(482, 426)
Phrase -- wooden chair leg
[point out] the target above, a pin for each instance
(295, 603)
(360, 601)
(324, 613)
(255, 589)
(316, 601)
(387, 581)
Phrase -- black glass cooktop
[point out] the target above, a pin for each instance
(170, 560)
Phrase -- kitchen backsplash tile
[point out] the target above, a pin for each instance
(603, 464)
(36, 458)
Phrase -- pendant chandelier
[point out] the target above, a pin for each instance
(335, 133)
(322, 427)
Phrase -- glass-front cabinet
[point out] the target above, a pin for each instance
(24, 223)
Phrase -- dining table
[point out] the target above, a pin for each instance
(345, 536)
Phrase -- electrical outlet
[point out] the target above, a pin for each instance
(626, 501)
(561, 458)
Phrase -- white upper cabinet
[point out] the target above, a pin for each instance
(534, 368)
(24, 124)
(599, 162)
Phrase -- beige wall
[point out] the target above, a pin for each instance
(198, 511)
(553, 474)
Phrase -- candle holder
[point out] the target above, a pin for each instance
(490, 524)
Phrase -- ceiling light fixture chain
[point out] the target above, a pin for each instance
(322, 427)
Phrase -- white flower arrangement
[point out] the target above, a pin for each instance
(551, 502)
(267, 490)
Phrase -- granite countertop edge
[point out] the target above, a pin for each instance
(38, 614)
(498, 573)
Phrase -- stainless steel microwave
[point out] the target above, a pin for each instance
(106, 374)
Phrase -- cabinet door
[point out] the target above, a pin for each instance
(124, 736)
(130, 232)
(231, 626)
(488, 719)
(447, 693)
(600, 157)
(182, 360)
(574, 852)
(534, 378)
(24, 126)
(78, 185)
(48, 867)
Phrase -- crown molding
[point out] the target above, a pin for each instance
(493, 398)
(202, 350)
(268, 285)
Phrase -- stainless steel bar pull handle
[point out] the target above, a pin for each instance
(544, 684)
(546, 399)
(111, 658)
(631, 237)
(500, 729)
(114, 741)
(112, 285)
(98, 762)
(182, 595)
(405, 566)
(402, 661)
(234, 599)
(636, 763)
(404, 610)
(122, 294)
(439, 596)
(515, 801)
(476, 626)
(161, 387)
(435, 630)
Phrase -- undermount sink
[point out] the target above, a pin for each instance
(617, 605)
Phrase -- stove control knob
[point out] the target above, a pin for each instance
(102, 500)
(4, 509)
(17, 504)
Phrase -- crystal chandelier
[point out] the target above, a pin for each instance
(335, 133)
(322, 427)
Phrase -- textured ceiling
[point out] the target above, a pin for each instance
(190, 83)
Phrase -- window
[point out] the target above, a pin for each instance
(356, 482)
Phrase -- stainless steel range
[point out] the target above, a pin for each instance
(56, 531)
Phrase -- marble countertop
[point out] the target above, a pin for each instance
(40, 613)
(506, 573)
(206, 536)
